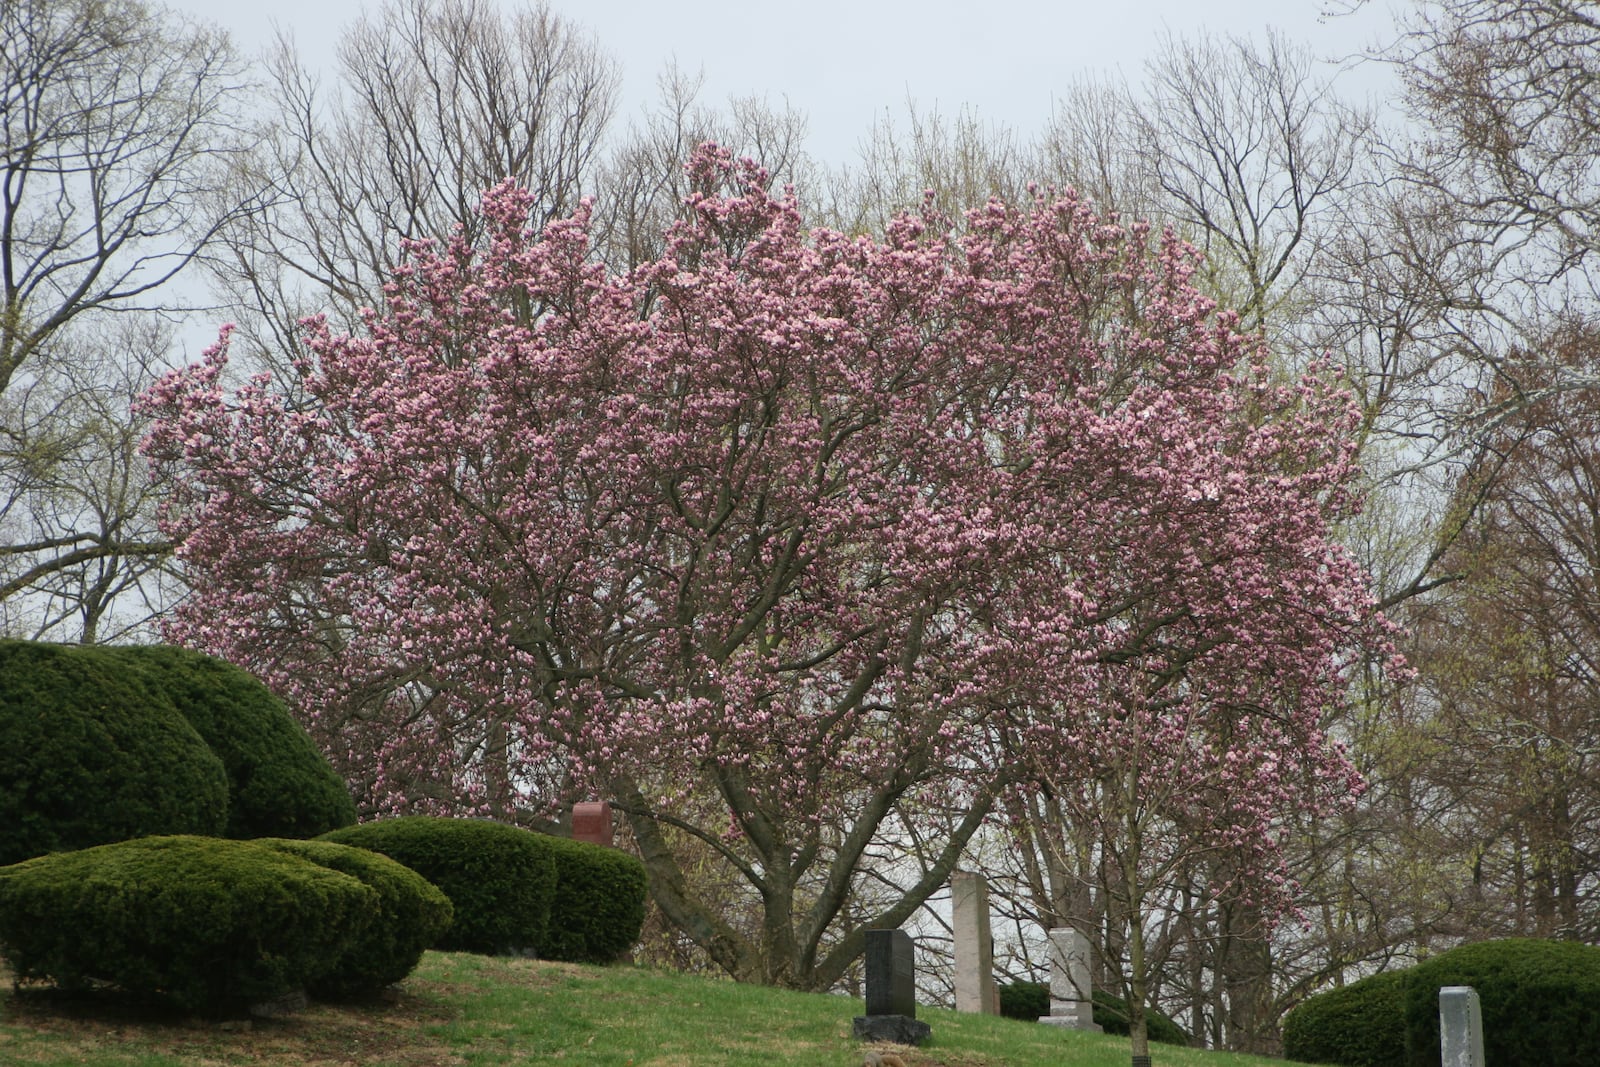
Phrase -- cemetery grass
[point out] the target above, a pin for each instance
(460, 1010)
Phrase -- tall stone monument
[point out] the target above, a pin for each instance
(1071, 994)
(969, 913)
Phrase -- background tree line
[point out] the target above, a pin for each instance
(1438, 245)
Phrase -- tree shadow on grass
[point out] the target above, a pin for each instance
(105, 1025)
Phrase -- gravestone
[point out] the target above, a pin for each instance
(969, 913)
(591, 822)
(891, 974)
(1071, 993)
(891, 991)
(1460, 1027)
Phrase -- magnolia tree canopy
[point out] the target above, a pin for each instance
(784, 540)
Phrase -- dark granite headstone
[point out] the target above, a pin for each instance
(891, 991)
(891, 974)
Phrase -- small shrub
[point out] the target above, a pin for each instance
(91, 753)
(1025, 1000)
(279, 784)
(1358, 1025)
(1111, 1015)
(500, 879)
(1538, 1000)
(411, 914)
(209, 923)
(598, 908)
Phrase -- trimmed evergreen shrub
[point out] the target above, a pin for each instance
(208, 923)
(598, 908)
(500, 879)
(279, 783)
(1358, 1025)
(1538, 999)
(410, 915)
(1111, 1015)
(1025, 1000)
(91, 753)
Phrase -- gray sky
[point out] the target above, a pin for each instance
(843, 62)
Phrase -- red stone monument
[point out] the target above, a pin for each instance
(591, 821)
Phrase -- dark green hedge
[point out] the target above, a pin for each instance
(208, 923)
(598, 907)
(1031, 1001)
(501, 880)
(1111, 1015)
(1540, 1001)
(279, 784)
(91, 753)
(517, 891)
(1358, 1025)
(1025, 1000)
(411, 914)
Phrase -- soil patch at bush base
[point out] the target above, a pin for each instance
(389, 1028)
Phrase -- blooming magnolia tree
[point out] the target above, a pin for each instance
(781, 536)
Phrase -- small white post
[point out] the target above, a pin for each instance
(1460, 1027)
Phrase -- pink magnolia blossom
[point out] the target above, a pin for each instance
(802, 522)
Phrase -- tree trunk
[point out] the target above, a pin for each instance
(1138, 1028)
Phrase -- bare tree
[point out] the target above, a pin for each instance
(81, 552)
(119, 124)
(928, 160)
(1249, 149)
(437, 100)
(112, 118)
(642, 183)
(1508, 90)
(1490, 215)
(1091, 146)
(1514, 675)
(1456, 287)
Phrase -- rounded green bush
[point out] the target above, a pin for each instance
(279, 783)
(411, 914)
(91, 753)
(500, 879)
(208, 923)
(1358, 1025)
(1538, 1000)
(1025, 1000)
(598, 908)
(1111, 1015)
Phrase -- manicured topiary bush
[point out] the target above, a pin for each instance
(1538, 999)
(279, 783)
(500, 879)
(411, 913)
(208, 923)
(598, 908)
(1025, 1000)
(92, 753)
(1358, 1025)
(1111, 1015)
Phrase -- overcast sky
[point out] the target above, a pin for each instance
(843, 62)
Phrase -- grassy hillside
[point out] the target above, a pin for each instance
(471, 1011)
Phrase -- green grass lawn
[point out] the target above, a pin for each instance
(467, 1010)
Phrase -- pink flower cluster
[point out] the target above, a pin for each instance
(818, 515)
